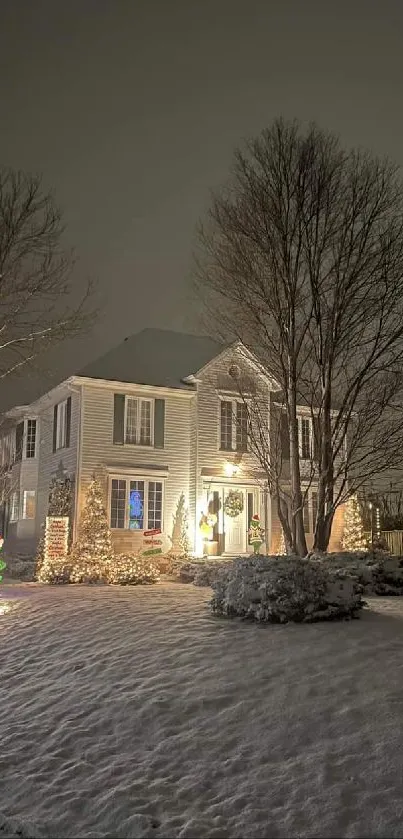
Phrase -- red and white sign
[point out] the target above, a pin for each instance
(155, 532)
(56, 536)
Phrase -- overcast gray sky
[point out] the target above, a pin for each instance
(131, 110)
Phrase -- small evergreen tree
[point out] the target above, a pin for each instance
(92, 552)
(353, 535)
(180, 529)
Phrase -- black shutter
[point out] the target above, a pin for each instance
(19, 440)
(118, 418)
(159, 423)
(68, 421)
(54, 427)
(316, 438)
(285, 436)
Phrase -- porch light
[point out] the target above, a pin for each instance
(231, 469)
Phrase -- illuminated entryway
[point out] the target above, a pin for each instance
(230, 533)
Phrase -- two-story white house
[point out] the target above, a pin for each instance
(156, 416)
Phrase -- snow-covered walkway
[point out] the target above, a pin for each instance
(129, 712)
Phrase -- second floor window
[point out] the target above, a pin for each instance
(138, 421)
(30, 440)
(305, 437)
(61, 424)
(233, 426)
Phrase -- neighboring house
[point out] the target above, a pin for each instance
(157, 416)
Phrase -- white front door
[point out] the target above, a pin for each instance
(235, 527)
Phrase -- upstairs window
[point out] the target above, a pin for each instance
(30, 439)
(305, 438)
(61, 424)
(138, 421)
(226, 426)
(233, 426)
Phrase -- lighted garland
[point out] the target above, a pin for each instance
(233, 504)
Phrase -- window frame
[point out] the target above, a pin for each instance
(234, 401)
(139, 400)
(59, 405)
(26, 438)
(301, 418)
(25, 494)
(15, 507)
(147, 480)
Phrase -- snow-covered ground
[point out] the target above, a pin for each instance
(129, 712)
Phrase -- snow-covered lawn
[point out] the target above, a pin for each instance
(130, 712)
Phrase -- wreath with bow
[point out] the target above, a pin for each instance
(233, 504)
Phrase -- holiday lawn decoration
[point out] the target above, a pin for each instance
(233, 504)
(256, 533)
(2, 563)
(353, 536)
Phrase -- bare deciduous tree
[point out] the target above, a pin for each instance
(38, 301)
(301, 257)
(35, 274)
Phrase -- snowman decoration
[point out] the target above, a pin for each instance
(256, 533)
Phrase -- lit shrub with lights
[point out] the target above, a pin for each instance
(132, 570)
(279, 590)
(55, 571)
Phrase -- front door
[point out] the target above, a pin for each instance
(235, 529)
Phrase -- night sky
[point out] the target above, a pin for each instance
(131, 110)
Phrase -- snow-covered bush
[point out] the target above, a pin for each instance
(55, 571)
(378, 573)
(132, 570)
(17, 829)
(202, 572)
(18, 568)
(279, 589)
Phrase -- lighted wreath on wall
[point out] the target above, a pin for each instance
(233, 504)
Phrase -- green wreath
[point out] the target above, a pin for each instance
(233, 504)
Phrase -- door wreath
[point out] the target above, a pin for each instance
(233, 504)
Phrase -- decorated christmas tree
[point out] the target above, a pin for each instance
(353, 536)
(92, 553)
(180, 528)
(281, 549)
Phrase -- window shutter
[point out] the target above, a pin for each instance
(54, 427)
(159, 423)
(68, 421)
(118, 419)
(285, 437)
(316, 438)
(19, 440)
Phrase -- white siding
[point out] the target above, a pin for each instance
(49, 460)
(100, 455)
(209, 456)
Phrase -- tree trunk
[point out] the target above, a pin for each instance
(282, 510)
(298, 531)
(322, 533)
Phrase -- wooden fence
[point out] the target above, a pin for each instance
(394, 538)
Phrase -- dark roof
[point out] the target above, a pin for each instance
(156, 357)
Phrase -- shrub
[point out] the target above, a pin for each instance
(132, 570)
(278, 590)
(86, 570)
(18, 568)
(55, 571)
(378, 573)
(202, 572)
